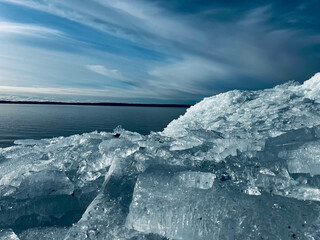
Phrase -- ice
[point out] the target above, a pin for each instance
(238, 165)
(8, 234)
(309, 152)
(163, 205)
(252, 116)
(201, 180)
(44, 233)
(39, 184)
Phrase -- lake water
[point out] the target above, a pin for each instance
(46, 121)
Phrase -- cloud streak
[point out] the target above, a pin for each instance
(110, 73)
(77, 94)
(27, 29)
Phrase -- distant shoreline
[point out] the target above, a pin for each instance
(96, 104)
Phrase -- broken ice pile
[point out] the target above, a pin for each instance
(239, 165)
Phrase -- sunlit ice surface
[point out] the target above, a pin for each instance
(238, 165)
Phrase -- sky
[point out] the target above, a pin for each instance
(155, 51)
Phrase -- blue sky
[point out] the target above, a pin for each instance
(176, 51)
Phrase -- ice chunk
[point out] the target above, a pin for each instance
(266, 171)
(312, 87)
(8, 234)
(305, 159)
(252, 190)
(105, 217)
(35, 184)
(60, 176)
(163, 205)
(44, 233)
(305, 193)
(41, 211)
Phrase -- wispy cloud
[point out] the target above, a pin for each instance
(58, 91)
(188, 75)
(139, 21)
(110, 73)
(27, 29)
(78, 94)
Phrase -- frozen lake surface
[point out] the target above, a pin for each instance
(19, 121)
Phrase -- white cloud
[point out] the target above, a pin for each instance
(27, 29)
(111, 73)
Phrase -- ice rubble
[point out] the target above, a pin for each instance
(239, 165)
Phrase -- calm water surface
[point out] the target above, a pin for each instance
(46, 121)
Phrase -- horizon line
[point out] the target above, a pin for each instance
(95, 103)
